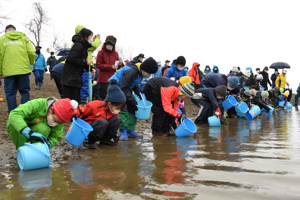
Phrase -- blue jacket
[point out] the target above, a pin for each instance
(212, 72)
(40, 63)
(58, 68)
(242, 82)
(207, 71)
(158, 73)
(214, 80)
(174, 72)
(208, 94)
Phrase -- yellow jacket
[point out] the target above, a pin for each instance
(281, 79)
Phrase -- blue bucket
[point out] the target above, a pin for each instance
(288, 105)
(242, 108)
(33, 156)
(214, 121)
(281, 104)
(246, 88)
(136, 97)
(78, 132)
(253, 112)
(186, 128)
(271, 111)
(144, 109)
(229, 102)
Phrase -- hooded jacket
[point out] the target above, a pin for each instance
(207, 71)
(105, 60)
(214, 80)
(76, 63)
(195, 74)
(174, 72)
(281, 81)
(212, 71)
(169, 95)
(208, 94)
(252, 82)
(16, 54)
(40, 63)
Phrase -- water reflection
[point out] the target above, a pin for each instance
(81, 172)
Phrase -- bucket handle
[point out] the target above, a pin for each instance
(40, 150)
(183, 125)
(143, 99)
(84, 134)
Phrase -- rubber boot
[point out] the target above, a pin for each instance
(40, 86)
(133, 134)
(123, 134)
(36, 86)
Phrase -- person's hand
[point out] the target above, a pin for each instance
(89, 62)
(114, 67)
(1, 77)
(120, 64)
(98, 36)
(218, 112)
(94, 71)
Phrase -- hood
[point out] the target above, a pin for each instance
(134, 60)
(77, 37)
(173, 65)
(215, 66)
(79, 28)
(135, 67)
(14, 35)
(194, 65)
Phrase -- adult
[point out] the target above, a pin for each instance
(106, 63)
(76, 63)
(177, 68)
(242, 79)
(56, 74)
(281, 82)
(257, 72)
(159, 72)
(239, 74)
(274, 77)
(251, 81)
(196, 75)
(165, 67)
(207, 70)
(16, 56)
(214, 80)
(139, 58)
(266, 80)
(39, 68)
(51, 61)
(215, 70)
(233, 72)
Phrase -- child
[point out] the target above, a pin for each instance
(129, 78)
(177, 68)
(283, 97)
(40, 120)
(208, 98)
(165, 96)
(103, 116)
(256, 99)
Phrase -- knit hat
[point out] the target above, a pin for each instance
(247, 93)
(221, 90)
(149, 65)
(286, 93)
(233, 81)
(235, 90)
(180, 60)
(249, 68)
(187, 89)
(185, 79)
(111, 39)
(114, 93)
(64, 109)
(247, 73)
(265, 94)
(253, 92)
(284, 70)
(235, 69)
(259, 77)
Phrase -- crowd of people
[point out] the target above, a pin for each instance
(117, 87)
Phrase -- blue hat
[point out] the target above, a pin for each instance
(249, 68)
(114, 93)
(233, 81)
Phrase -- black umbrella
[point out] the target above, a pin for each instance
(279, 65)
(61, 52)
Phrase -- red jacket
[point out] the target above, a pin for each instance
(168, 95)
(104, 62)
(194, 74)
(94, 110)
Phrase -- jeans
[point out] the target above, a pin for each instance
(297, 98)
(39, 76)
(12, 84)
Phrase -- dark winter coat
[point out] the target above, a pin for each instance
(208, 94)
(257, 100)
(51, 61)
(252, 82)
(158, 82)
(214, 80)
(266, 80)
(273, 78)
(76, 63)
(275, 92)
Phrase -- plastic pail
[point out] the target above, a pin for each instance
(281, 104)
(253, 112)
(242, 107)
(136, 97)
(288, 105)
(214, 121)
(143, 111)
(35, 179)
(271, 111)
(33, 156)
(78, 132)
(186, 128)
(246, 88)
(229, 102)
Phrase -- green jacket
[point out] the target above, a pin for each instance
(95, 44)
(16, 54)
(26, 114)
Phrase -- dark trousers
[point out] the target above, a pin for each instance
(39, 76)
(161, 120)
(207, 109)
(103, 90)
(71, 93)
(104, 129)
(12, 85)
(96, 91)
(57, 79)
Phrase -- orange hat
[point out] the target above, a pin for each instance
(64, 109)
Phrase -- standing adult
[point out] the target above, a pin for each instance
(139, 58)
(251, 82)
(76, 63)
(51, 61)
(165, 67)
(274, 77)
(16, 56)
(106, 60)
(266, 80)
(281, 82)
(196, 75)
(56, 74)
(39, 68)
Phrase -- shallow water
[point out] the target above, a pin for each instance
(257, 159)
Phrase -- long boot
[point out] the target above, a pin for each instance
(123, 134)
(133, 134)
(36, 86)
(40, 86)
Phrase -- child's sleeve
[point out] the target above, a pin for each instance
(56, 134)
(166, 93)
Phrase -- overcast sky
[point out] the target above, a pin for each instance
(212, 32)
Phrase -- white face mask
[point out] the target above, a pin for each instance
(50, 121)
(207, 69)
(146, 75)
(180, 68)
(115, 111)
(257, 72)
(109, 47)
(90, 40)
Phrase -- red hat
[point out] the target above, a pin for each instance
(64, 109)
(126, 60)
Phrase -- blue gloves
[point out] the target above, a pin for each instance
(27, 132)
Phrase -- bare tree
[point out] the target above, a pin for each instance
(36, 23)
(3, 17)
(56, 40)
(125, 53)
